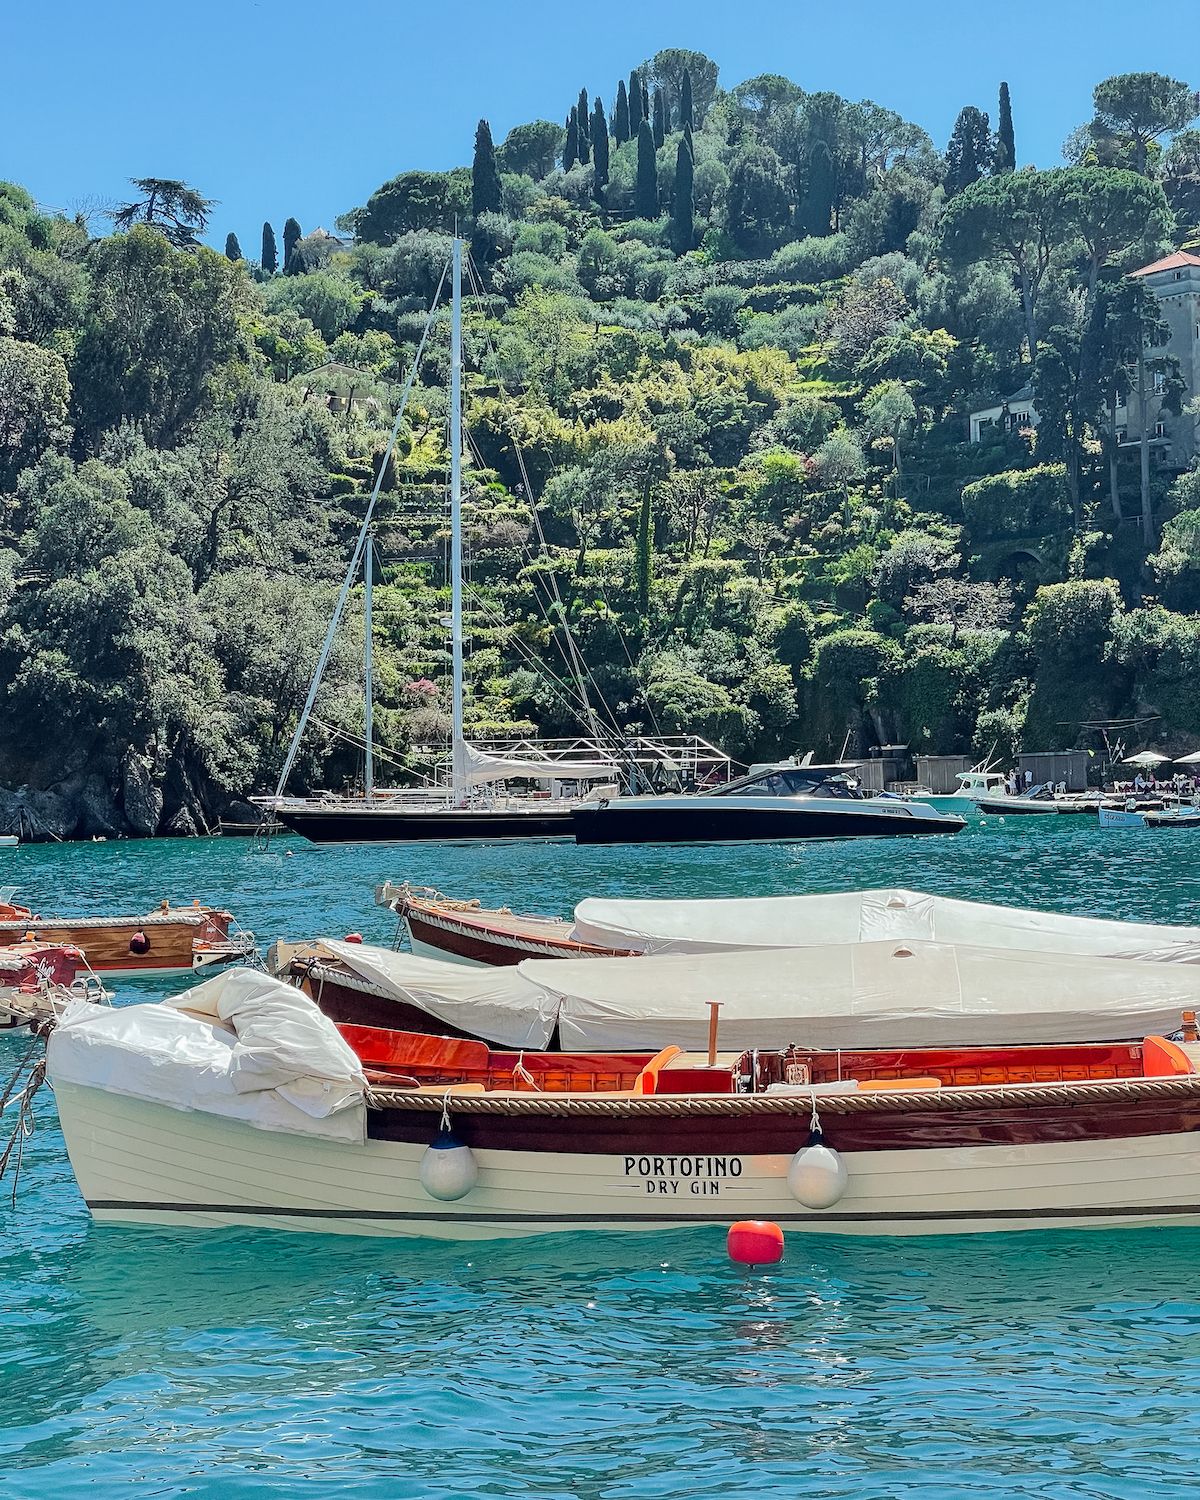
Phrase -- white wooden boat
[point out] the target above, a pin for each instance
(249, 1108)
(466, 932)
(9, 840)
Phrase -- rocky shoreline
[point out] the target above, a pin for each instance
(129, 801)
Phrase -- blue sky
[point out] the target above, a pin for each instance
(304, 107)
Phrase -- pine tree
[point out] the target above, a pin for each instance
(487, 195)
(1006, 144)
(683, 207)
(635, 103)
(969, 154)
(685, 102)
(621, 115)
(660, 116)
(292, 236)
(599, 149)
(645, 201)
(233, 251)
(270, 255)
(571, 149)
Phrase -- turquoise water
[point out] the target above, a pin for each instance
(609, 1367)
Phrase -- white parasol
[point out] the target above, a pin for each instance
(1145, 758)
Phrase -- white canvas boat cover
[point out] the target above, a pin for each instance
(474, 767)
(881, 994)
(241, 1045)
(863, 916)
(493, 1003)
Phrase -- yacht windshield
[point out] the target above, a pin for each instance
(797, 781)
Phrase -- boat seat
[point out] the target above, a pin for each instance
(647, 1080)
(1165, 1059)
(452, 1088)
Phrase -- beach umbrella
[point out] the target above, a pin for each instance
(1145, 758)
(1189, 760)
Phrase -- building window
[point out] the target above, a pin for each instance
(1160, 382)
(1160, 429)
(1121, 434)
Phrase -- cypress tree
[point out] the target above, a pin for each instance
(660, 116)
(645, 201)
(816, 211)
(635, 103)
(645, 100)
(583, 114)
(233, 251)
(1006, 144)
(644, 557)
(291, 238)
(487, 196)
(571, 149)
(270, 255)
(600, 149)
(683, 208)
(686, 122)
(621, 115)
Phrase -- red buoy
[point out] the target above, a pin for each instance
(755, 1242)
(353, 937)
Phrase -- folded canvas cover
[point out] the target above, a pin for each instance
(863, 916)
(241, 1045)
(879, 994)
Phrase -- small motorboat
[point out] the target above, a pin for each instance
(9, 841)
(241, 1104)
(972, 786)
(469, 933)
(1041, 800)
(169, 940)
(773, 804)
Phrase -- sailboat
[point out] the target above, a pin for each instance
(473, 807)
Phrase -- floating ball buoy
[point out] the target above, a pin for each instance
(755, 1242)
(817, 1175)
(139, 943)
(448, 1169)
(353, 937)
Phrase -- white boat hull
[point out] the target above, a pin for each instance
(144, 1163)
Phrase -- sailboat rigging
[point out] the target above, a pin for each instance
(463, 811)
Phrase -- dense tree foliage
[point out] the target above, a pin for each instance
(721, 356)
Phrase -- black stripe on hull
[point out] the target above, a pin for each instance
(909, 1216)
(470, 827)
(692, 825)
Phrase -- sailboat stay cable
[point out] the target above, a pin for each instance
(585, 710)
(356, 557)
(579, 667)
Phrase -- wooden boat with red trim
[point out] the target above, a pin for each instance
(449, 1138)
(170, 940)
(467, 932)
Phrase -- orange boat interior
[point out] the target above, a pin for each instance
(412, 1059)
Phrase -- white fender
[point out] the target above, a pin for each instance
(817, 1175)
(448, 1169)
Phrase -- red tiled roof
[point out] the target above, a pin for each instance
(1175, 262)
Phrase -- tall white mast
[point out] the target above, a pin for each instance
(456, 609)
(368, 669)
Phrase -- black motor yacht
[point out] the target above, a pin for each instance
(773, 804)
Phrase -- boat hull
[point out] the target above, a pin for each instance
(431, 825)
(138, 1162)
(718, 820)
(176, 943)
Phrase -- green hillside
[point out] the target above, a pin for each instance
(722, 345)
